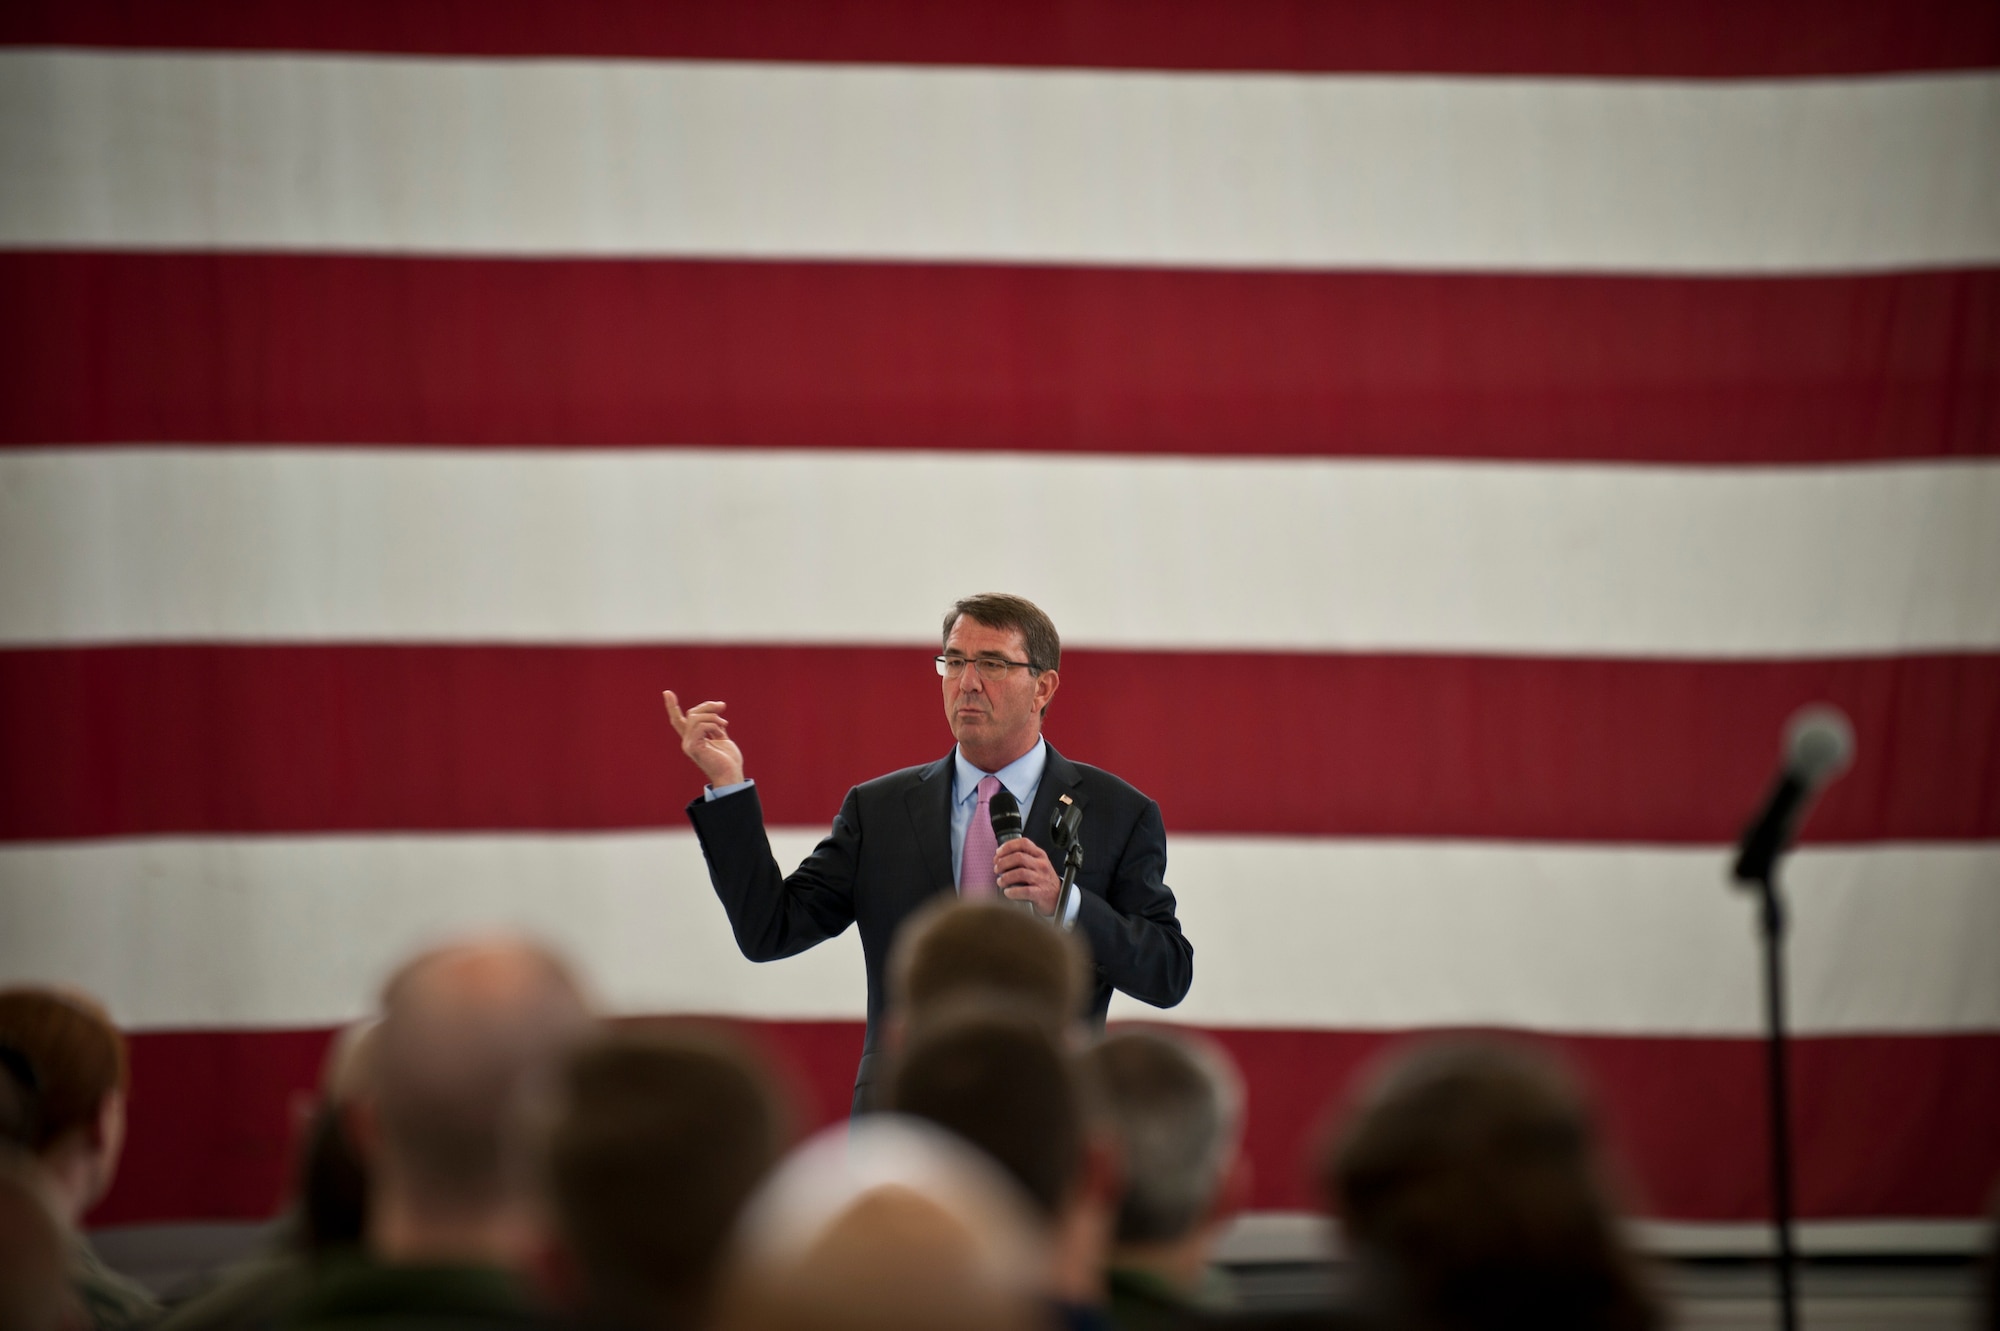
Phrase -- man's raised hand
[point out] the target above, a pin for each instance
(704, 733)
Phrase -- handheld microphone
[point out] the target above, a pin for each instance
(1005, 811)
(1819, 746)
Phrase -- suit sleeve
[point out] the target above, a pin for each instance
(772, 914)
(1135, 938)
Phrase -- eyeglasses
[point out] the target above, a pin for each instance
(995, 668)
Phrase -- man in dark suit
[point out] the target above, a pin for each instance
(901, 839)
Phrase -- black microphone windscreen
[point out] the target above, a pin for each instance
(1819, 744)
(1005, 811)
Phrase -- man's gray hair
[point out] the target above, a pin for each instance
(1175, 1104)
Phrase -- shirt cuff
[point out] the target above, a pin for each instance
(717, 792)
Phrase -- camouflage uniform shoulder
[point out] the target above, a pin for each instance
(111, 1302)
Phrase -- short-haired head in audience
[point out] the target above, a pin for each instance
(330, 1178)
(953, 951)
(1472, 1194)
(72, 1058)
(464, 1029)
(1002, 1081)
(651, 1140)
(1174, 1104)
(889, 1224)
(75, 1058)
(328, 1219)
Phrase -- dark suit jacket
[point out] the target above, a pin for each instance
(890, 852)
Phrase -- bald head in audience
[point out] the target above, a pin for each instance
(463, 1029)
(888, 1225)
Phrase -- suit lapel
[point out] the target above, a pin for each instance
(1059, 778)
(929, 802)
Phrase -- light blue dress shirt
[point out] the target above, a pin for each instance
(1020, 778)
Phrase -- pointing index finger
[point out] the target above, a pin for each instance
(674, 711)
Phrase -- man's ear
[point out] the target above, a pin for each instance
(106, 1129)
(554, 1270)
(362, 1127)
(104, 1137)
(1233, 1194)
(1103, 1171)
(1046, 685)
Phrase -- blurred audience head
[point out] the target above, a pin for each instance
(886, 1225)
(1471, 1193)
(464, 1029)
(954, 951)
(1002, 1081)
(34, 1281)
(331, 1182)
(998, 1079)
(1174, 1105)
(74, 1057)
(650, 1142)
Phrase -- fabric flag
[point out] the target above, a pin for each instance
(1451, 438)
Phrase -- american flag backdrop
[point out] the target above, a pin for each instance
(1452, 438)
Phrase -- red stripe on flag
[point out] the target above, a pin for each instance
(1885, 1126)
(1653, 38)
(221, 739)
(280, 349)
(215, 1116)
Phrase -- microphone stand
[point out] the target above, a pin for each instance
(1772, 920)
(1072, 866)
(1819, 745)
(1066, 833)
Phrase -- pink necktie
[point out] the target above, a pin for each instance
(975, 866)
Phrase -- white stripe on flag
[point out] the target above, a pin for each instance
(249, 932)
(102, 545)
(1260, 170)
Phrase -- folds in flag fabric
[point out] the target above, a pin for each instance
(1452, 439)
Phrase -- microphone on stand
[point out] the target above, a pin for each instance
(1819, 745)
(1066, 831)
